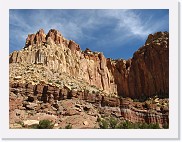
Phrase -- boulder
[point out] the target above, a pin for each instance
(30, 122)
(18, 77)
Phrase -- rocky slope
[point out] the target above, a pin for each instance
(50, 69)
(43, 101)
(147, 73)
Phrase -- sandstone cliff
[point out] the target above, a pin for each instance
(145, 74)
(149, 71)
(52, 78)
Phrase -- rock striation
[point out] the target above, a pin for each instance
(145, 74)
(149, 71)
(148, 112)
(51, 73)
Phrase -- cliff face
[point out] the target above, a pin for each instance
(146, 74)
(52, 78)
(149, 71)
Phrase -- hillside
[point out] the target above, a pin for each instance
(52, 78)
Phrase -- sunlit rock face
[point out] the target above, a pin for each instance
(51, 77)
(34, 97)
(145, 74)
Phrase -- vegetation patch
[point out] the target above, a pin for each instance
(69, 126)
(43, 124)
(113, 123)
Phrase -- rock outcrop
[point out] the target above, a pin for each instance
(51, 70)
(145, 74)
(154, 111)
(149, 71)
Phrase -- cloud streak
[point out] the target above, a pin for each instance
(93, 28)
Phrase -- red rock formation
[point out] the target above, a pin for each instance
(107, 105)
(146, 74)
(37, 38)
(149, 70)
(55, 36)
(73, 46)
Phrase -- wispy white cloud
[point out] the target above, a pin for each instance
(97, 27)
(131, 22)
(128, 22)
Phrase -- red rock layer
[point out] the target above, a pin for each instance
(107, 105)
(146, 74)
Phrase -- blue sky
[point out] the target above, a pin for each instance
(116, 33)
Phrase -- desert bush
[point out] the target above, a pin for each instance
(103, 124)
(113, 123)
(35, 126)
(21, 123)
(166, 126)
(58, 82)
(69, 126)
(45, 124)
(98, 119)
(143, 125)
(127, 125)
(50, 81)
(153, 126)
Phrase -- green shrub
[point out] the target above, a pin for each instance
(69, 126)
(45, 124)
(58, 82)
(98, 119)
(21, 123)
(119, 126)
(143, 125)
(127, 125)
(166, 126)
(154, 126)
(113, 123)
(50, 81)
(103, 124)
(35, 126)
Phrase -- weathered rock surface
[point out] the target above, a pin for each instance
(66, 105)
(147, 73)
(51, 77)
